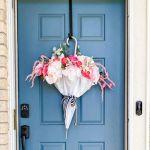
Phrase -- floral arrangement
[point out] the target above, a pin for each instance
(72, 75)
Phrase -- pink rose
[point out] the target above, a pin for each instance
(64, 61)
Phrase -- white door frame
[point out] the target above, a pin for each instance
(148, 79)
(138, 62)
(138, 72)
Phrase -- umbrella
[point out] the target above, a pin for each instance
(72, 85)
(72, 75)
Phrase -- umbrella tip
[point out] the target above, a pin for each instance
(66, 134)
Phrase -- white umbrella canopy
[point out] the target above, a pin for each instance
(72, 88)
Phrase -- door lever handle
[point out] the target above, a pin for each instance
(24, 135)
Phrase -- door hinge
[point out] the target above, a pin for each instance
(15, 119)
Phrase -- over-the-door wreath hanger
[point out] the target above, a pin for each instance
(72, 75)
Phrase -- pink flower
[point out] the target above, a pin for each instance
(45, 69)
(73, 58)
(56, 59)
(38, 69)
(64, 61)
(78, 63)
(94, 74)
(86, 74)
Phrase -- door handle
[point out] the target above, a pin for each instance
(139, 108)
(24, 135)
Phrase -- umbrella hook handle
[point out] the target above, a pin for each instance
(76, 43)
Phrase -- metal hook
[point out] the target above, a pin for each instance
(76, 43)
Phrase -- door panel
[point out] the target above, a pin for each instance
(99, 28)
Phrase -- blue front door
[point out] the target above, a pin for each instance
(99, 28)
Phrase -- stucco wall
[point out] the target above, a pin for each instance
(3, 78)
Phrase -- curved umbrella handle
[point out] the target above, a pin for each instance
(76, 43)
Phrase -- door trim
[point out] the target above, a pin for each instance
(131, 120)
(12, 74)
(148, 79)
(137, 73)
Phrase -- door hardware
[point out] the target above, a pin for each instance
(139, 108)
(24, 135)
(15, 119)
(25, 110)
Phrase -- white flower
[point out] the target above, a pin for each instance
(58, 52)
(81, 58)
(54, 72)
(54, 49)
